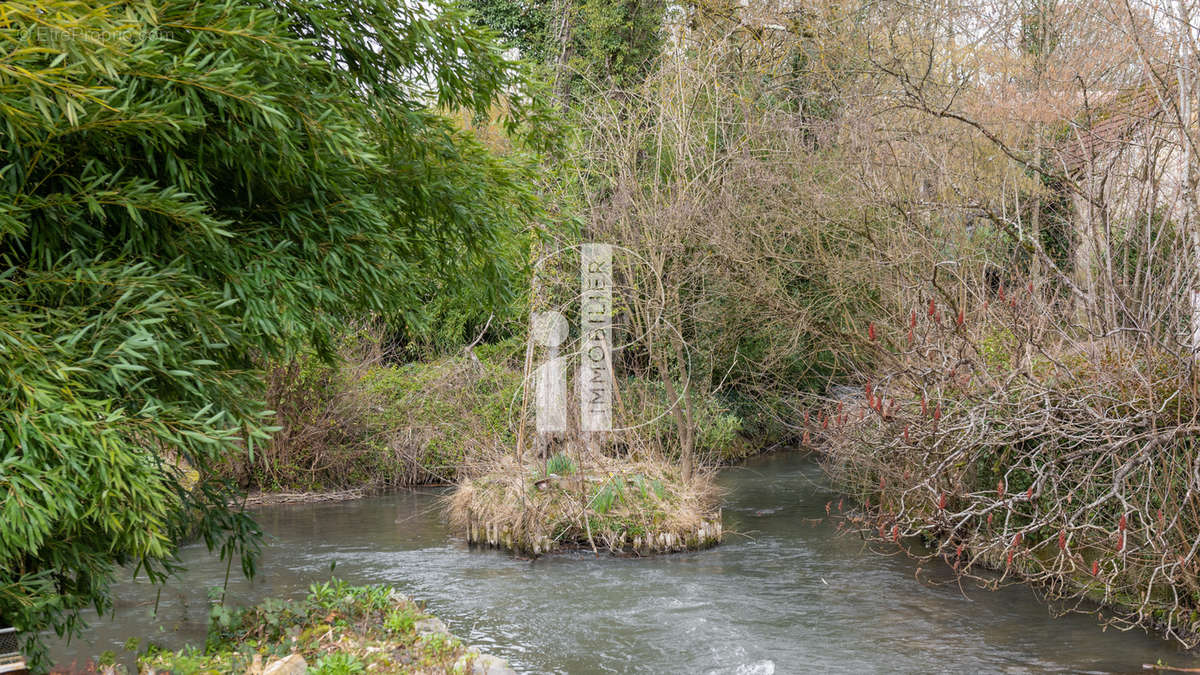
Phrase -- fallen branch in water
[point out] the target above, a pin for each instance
(264, 498)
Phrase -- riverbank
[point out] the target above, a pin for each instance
(337, 629)
(1070, 469)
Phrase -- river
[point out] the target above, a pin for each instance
(785, 593)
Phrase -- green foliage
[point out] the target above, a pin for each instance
(522, 23)
(188, 186)
(609, 494)
(717, 428)
(561, 464)
(597, 46)
(338, 663)
(449, 409)
(614, 42)
(400, 620)
(646, 488)
(337, 628)
(997, 347)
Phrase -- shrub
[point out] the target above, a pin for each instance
(191, 187)
(1069, 464)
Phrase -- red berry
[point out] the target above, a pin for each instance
(1120, 542)
(961, 317)
(937, 413)
(1000, 489)
(896, 533)
(1029, 493)
(1062, 539)
(906, 433)
(1095, 568)
(1121, 524)
(942, 501)
(1010, 554)
(871, 331)
(932, 307)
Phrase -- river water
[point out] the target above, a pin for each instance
(784, 594)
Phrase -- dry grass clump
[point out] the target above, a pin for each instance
(597, 502)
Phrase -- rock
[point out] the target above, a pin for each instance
(431, 626)
(482, 664)
(291, 665)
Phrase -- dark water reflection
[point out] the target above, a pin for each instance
(787, 595)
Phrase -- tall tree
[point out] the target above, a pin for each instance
(188, 187)
(587, 45)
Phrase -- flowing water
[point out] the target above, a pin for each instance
(784, 594)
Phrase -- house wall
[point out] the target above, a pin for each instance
(1119, 191)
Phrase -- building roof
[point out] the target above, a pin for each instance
(1106, 127)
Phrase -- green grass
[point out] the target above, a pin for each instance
(561, 465)
(338, 629)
